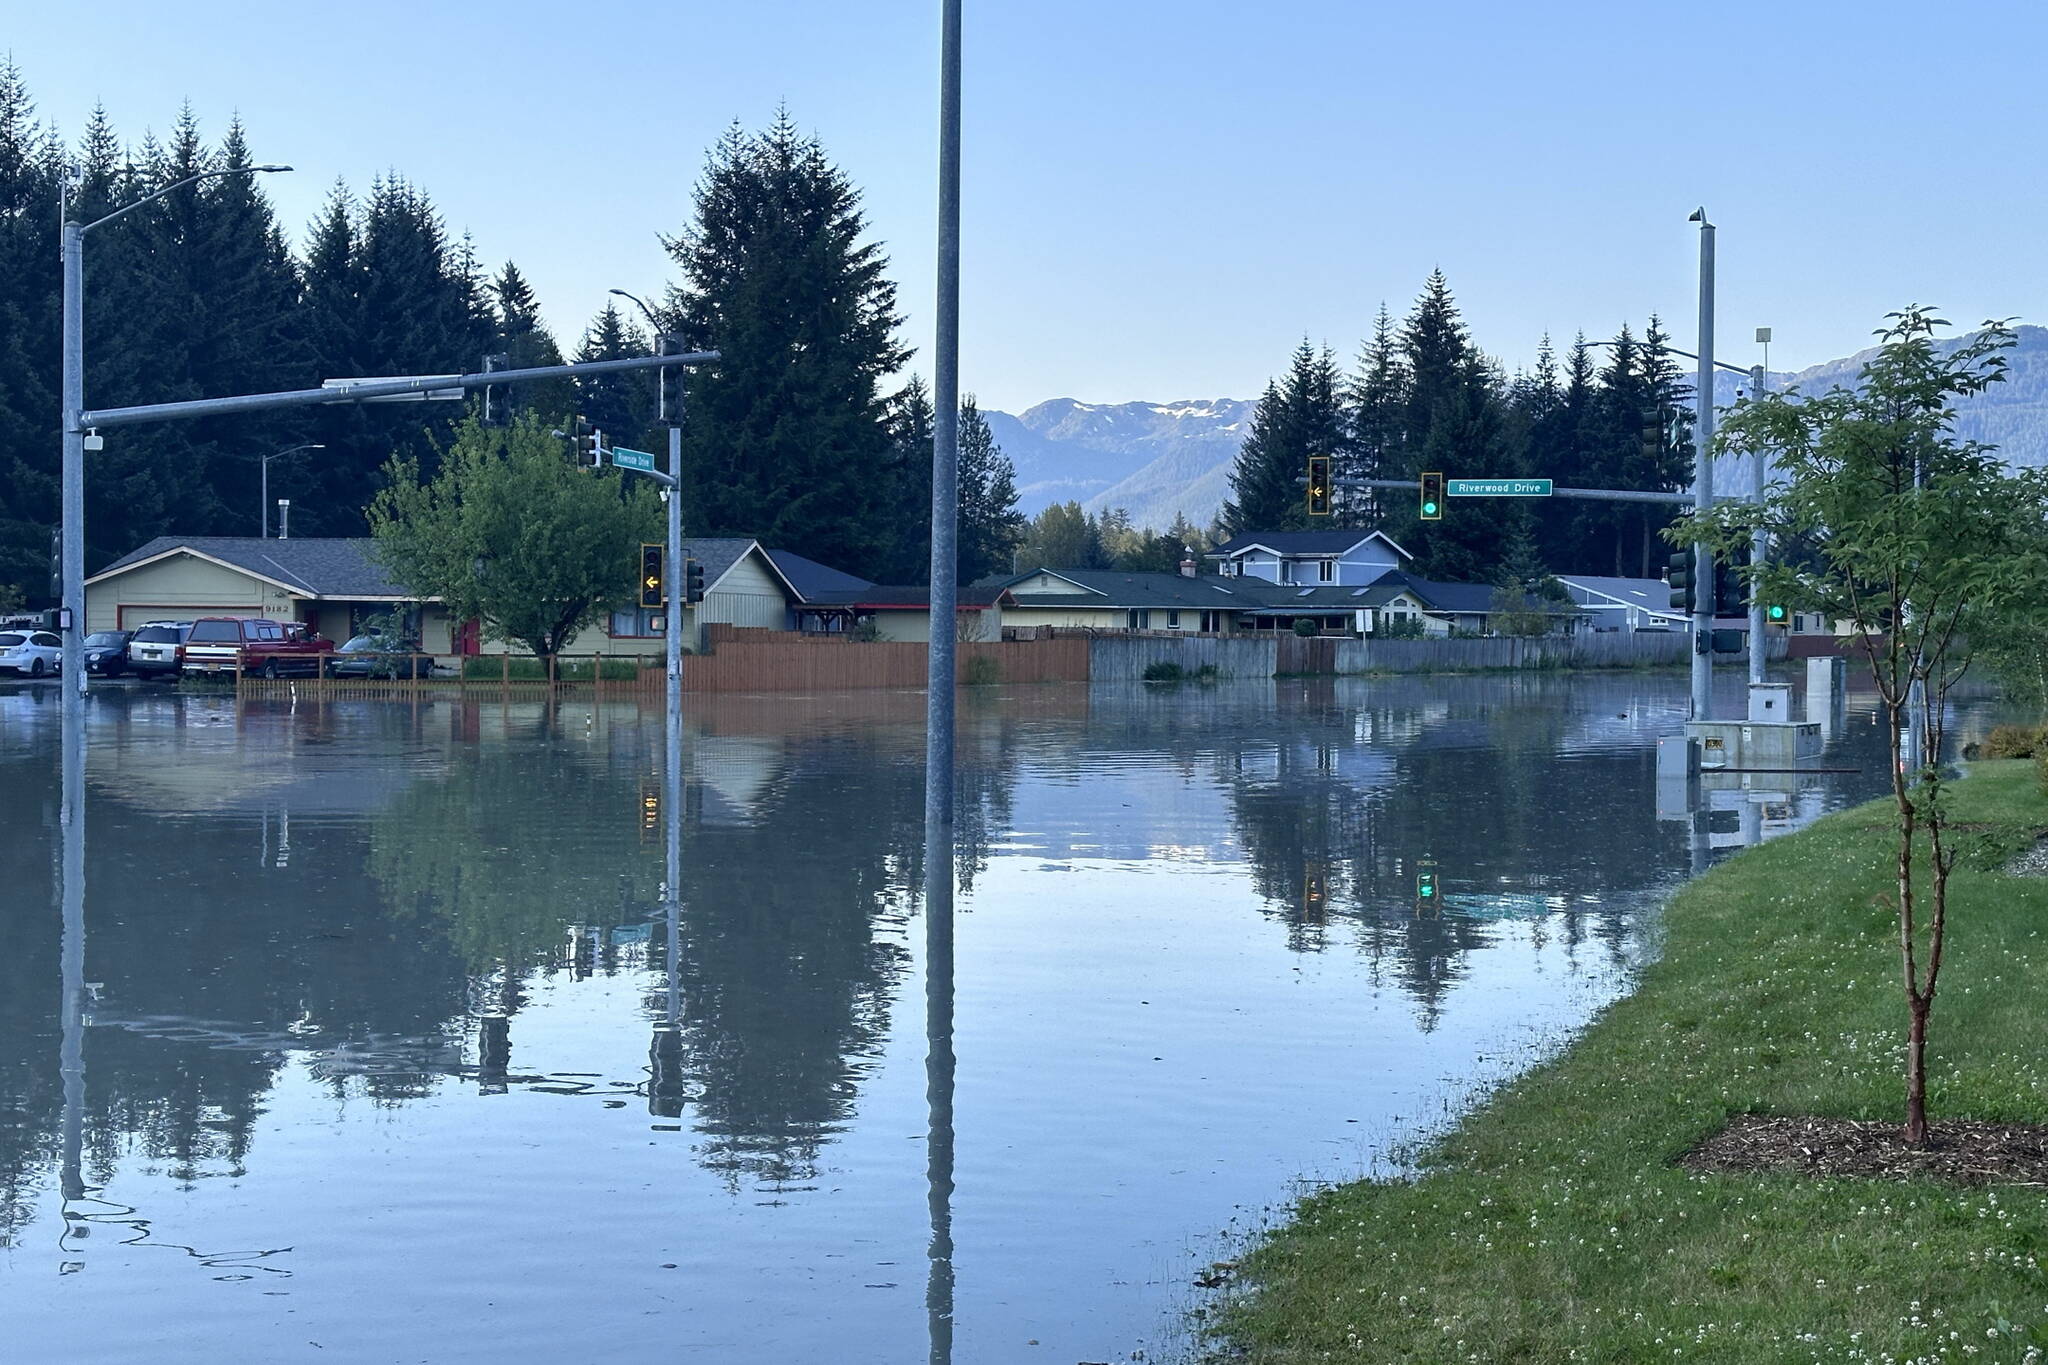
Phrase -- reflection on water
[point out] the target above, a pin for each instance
(371, 1003)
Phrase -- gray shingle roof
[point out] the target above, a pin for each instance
(316, 566)
(1296, 542)
(1653, 594)
(811, 579)
(345, 567)
(1114, 588)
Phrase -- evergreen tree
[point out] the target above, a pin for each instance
(1301, 416)
(990, 523)
(31, 166)
(788, 436)
(1062, 537)
(1378, 400)
(909, 479)
(624, 406)
(525, 342)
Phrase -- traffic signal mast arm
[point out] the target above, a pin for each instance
(1603, 494)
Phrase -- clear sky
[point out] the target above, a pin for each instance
(1161, 199)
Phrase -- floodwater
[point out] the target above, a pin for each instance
(385, 1054)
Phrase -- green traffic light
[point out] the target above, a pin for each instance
(1429, 509)
(1777, 613)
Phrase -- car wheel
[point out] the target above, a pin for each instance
(269, 669)
(35, 668)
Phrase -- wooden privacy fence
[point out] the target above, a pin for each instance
(796, 664)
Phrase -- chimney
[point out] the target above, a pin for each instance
(1187, 568)
(284, 518)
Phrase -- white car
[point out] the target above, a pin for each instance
(30, 653)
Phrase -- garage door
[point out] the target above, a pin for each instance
(133, 616)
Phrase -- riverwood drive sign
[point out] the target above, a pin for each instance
(1499, 488)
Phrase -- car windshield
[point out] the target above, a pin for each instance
(9, 640)
(105, 637)
(156, 635)
(207, 631)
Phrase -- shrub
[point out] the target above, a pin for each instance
(2014, 741)
(981, 671)
(1207, 673)
(1304, 627)
(1161, 670)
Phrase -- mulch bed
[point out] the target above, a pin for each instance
(1960, 1152)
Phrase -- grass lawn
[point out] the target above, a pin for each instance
(1552, 1224)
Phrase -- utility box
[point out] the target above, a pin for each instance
(1678, 756)
(1770, 702)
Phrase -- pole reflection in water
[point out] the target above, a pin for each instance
(71, 1061)
(938, 1073)
(665, 1054)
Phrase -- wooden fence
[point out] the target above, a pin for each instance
(797, 664)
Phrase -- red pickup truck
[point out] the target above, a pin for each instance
(263, 648)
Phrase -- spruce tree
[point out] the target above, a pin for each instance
(623, 406)
(909, 481)
(990, 523)
(788, 437)
(31, 165)
(1302, 416)
(1378, 402)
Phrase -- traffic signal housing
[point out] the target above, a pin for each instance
(693, 581)
(1679, 574)
(1319, 485)
(1728, 588)
(1776, 614)
(651, 580)
(1432, 500)
(1425, 881)
(588, 443)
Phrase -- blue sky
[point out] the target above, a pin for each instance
(1160, 200)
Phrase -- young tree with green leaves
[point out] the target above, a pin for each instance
(514, 535)
(1911, 535)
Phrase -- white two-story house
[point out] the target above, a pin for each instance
(1310, 559)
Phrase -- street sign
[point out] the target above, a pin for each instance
(1500, 488)
(446, 395)
(633, 459)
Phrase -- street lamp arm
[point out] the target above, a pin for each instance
(652, 320)
(178, 185)
(1746, 371)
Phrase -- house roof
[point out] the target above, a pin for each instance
(1452, 597)
(1651, 594)
(906, 597)
(1301, 542)
(346, 567)
(810, 578)
(1115, 589)
(311, 566)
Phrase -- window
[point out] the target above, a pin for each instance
(1327, 570)
(1286, 571)
(1173, 620)
(217, 632)
(1212, 622)
(640, 623)
(1138, 620)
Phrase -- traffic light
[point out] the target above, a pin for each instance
(1319, 485)
(650, 576)
(1425, 881)
(1728, 587)
(1776, 614)
(587, 442)
(1679, 573)
(57, 562)
(497, 397)
(1432, 497)
(693, 581)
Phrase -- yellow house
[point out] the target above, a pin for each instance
(335, 584)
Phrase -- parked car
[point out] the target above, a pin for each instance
(219, 646)
(379, 656)
(106, 652)
(157, 650)
(30, 653)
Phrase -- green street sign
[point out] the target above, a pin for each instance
(1500, 488)
(633, 459)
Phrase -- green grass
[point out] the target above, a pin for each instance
(1552, 1224)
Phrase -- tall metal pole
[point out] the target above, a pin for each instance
(1759, 544)
(73, 399)
(1703, 484)
(938, 737)
(939, 678)
(71, 873)
(264, 522)
(672, 726)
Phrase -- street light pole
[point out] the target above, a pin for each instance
(1703, 482)
(72, 402)
(264, 533)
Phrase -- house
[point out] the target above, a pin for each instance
(1624, 603)
(336, 585)
(903, 612)
(1351, 558)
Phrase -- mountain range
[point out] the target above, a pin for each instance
(1156, 460)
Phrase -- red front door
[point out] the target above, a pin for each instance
(469, 638)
